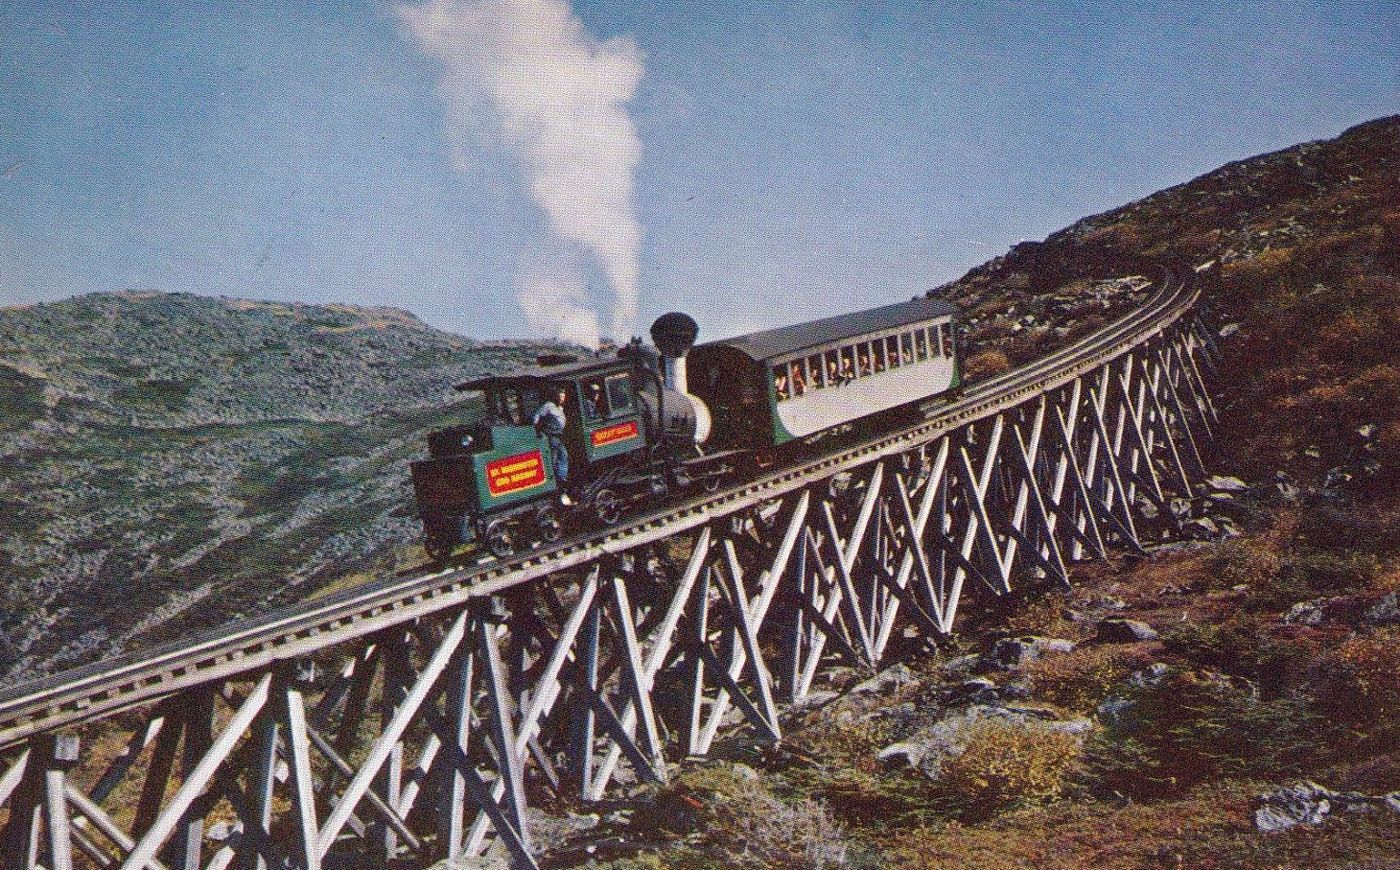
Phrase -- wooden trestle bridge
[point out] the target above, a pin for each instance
(414, 719)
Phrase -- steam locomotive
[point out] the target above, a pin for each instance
(676, 417)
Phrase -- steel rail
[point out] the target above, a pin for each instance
(142, 676)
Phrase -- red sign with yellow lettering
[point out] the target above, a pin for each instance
(613, 434)
(514, 473)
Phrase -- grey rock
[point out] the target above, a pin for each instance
(1202, 528)
(1307, 612)
(963, 664)
(1367, 431)
(1386, 611)
(891, 678)
(1014, 651)
(221, 831)
(978, 690)
(1125, 631)
(816, 698)
(1229, 329)
(1226, 483)
(1016, 690)
(1307, 803)
(905, 753)
(1289, 492)
(1312, 451)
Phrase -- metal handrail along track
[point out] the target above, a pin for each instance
(142, 676)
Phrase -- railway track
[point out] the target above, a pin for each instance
(144, 676)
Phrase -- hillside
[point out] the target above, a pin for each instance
(162, 450)
(1228, 701)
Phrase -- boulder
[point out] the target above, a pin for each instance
(886, 682)
(1015, 651)
(1202, 528)
(978, 690)
(963, 664)
(1306, 612)
(1226, 483)
(1307, 803)
(1342, 608)
(1125, 631)
(1386, 611)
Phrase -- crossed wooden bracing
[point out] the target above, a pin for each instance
(431, 738)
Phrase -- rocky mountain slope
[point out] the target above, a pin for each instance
(160, 451)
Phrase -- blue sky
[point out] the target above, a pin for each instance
(797, 160)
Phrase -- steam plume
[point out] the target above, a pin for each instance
(526, 74)
(554, 304)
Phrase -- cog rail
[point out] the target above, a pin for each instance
(142, 676)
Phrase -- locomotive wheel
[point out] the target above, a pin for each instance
(499, 539)
(607, 506)
(549, 526)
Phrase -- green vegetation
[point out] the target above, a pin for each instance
(21, 399)
(166, 396)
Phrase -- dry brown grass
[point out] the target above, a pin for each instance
(985, 364)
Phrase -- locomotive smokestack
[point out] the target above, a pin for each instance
(673, 334)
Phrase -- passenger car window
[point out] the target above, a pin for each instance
(921, 345)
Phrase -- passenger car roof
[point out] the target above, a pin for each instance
(790, 339)
(549, 373)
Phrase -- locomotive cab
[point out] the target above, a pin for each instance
(485, 477)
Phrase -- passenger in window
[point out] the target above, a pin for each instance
(865, 364)
(780, 384)
(594, 407)
(833, 375)
(847, 371)
(798, 385)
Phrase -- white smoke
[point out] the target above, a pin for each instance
(554, 304)
(527, 74)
